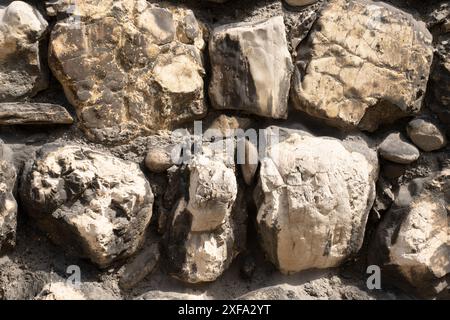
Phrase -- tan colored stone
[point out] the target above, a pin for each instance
(364, 63)
(130, 68)
(22, 72)
(208, 225)
(251, 68)
(314, 197)
(94, 205)
(411, 244)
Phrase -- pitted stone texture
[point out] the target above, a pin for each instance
(22, 72)
(411, 243)
(196, 257)
(93, 204)
(129, 68)
(314, 197)
(365, 63)
(212, 192)
(251, 68)
(208, 226)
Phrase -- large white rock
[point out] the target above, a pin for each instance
(22, 73)
(364, 63)
(251, 68)
(314, 197)
(95, 205)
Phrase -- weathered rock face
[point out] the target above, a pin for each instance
(22, 113)
(411, 243)
(95, 205)
(8, 205)
(208, 227)
(129, 67)
(251, 68)
(22, 73)
(140, 266)
(314, 197)
(60, 291)
(63, 290)
(353, 71)
(212, 192)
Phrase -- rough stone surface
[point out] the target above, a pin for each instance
(226, 126)
(411, 243)
(426, 135)
(8, 205)
(129, 67)
(94, 205)
(395, 148)
(158, 160)
(352, 70)
(22, 71)
(413, 260)
(60, 291)
(20, 113)
(141, 266)
(212, 192)
(208, 225)
(314, 197)
(251, 68)
(65, 290)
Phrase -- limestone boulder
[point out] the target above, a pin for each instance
(22, 69)
(411, 244)
(364, 64)
(313, 197)
(129, 67)
(212, 192)
(92, 204)
(251, 68)
(208, 225)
